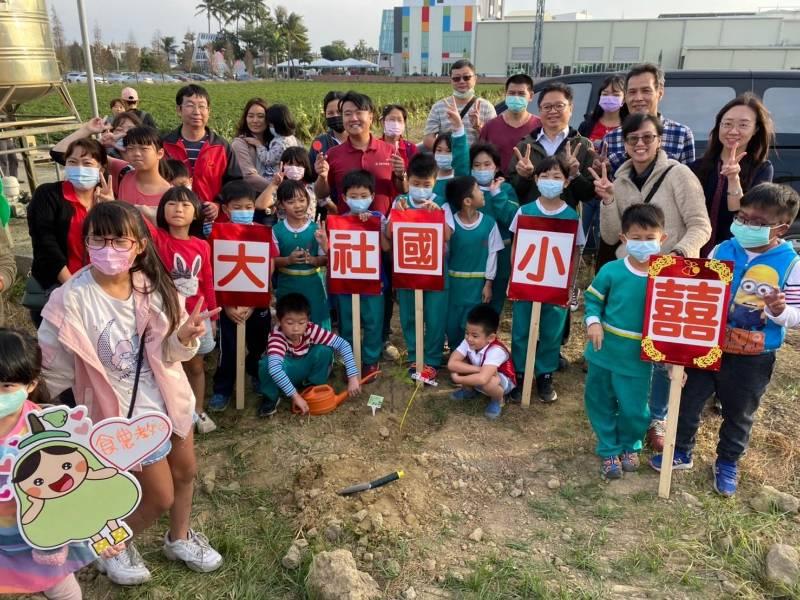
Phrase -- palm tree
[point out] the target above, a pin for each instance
(237, 10)
(168, 45)
(293, 31)
(207, 7)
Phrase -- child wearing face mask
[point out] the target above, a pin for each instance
(421, 180)
(552, 174)
(451, 152)
(765, 301)
(24, 570)
(618, 381)
(281, 128)
(358, 188)
(238, 203)
(501, 205)
(116, 318)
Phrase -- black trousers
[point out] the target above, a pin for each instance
(256, 332)
(739, 384)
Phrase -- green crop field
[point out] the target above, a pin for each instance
(304, 98)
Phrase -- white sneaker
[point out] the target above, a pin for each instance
(390, 352)
(196, 552)
(574, 299)
(126, 568)
(205, 424)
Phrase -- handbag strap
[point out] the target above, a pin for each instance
(139, 361)
(657, 185)
(467, 106)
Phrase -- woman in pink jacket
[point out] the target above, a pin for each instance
(90, 336)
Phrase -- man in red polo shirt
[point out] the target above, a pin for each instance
(360, 151)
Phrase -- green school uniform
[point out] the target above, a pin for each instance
(618, 381)
(301, 278)
(552, 321)
(501, 207)
(435, 311)
(469, 251)
(460, 150)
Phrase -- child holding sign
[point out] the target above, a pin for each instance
(553, 176)
(766, 284)
(618, 381)
(481, 362)
(300, 352)
(239, 204)
(93, 328)
(474, 245)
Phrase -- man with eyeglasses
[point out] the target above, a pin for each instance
(208, 156)
(131, 99)
(480, 111)
(554, 138)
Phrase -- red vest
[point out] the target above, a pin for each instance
(507, 368)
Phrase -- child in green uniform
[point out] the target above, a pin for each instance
(358, 189)
(301, 253)
(472, 262)
(618, 381)
(501, 205)
(552, 174)
(421, 179)
(451, 152)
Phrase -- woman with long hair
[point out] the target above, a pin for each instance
(251, 134)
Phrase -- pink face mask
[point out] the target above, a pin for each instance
(393, 128)
(294, 172)
(109, 261)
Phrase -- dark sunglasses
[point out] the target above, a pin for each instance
(458, 78)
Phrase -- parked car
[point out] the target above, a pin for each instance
(694, 97)
(75, 77)
(116, 78)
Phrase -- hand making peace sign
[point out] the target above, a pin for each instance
(103, 191)
(195, 326)
(731, 167)
(571, 159)
(603, 186)
(453, 115)
(524, 164)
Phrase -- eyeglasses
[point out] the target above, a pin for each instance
(647, 138)
(754, 223)
(740, 125)
(457, 78)
(557, 107)
(192, 107)
(98, 242)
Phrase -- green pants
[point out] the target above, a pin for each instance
(617, 407)
(435, 307)
(500, 284)
(311, 287)
(551, 332)
(465, 294)
(371, 325)
(311, 369)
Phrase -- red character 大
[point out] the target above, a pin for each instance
(241, 261)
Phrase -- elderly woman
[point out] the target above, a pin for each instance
(649, 176)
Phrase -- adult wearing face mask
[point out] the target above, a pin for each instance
(335, 133)
(554, 138)
(475, 112)
(509, 128)
(55, 221)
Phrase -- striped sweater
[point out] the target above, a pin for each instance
(279, 346)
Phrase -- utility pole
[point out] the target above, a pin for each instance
(538, 27)
(87, 53)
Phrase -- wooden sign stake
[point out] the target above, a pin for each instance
(240, 355)
(356, 299)
(530, 358)
(419, 330)
(673, 408)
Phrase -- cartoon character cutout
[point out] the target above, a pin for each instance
(746, 318)
(64, 492)
(186, 280)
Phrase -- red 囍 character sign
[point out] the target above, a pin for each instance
(355, 255)
(241, 258)
(542, 260)
(686, 311)
(418, 249)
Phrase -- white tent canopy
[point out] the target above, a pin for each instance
(292, 63)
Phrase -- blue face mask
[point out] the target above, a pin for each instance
(82, 178)
(550, 188)
(358, 205)
(242, 217)
(11, 403)
(642, 250)
(516, 104)
(207, 226)
(420, 194)
(749, 236)
(444, 160)
(483, 176)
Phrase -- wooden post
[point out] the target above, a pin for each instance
(530, 358)
(419, 330)
(356, 298)
(673, 408)
(240, 355)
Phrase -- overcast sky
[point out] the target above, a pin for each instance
(349, 20)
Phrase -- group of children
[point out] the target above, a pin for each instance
(149, 282)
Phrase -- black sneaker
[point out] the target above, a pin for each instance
(563, 363)
(544, 387)
(268, 407)
(515, 397)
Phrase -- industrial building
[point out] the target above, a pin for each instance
(427, 35)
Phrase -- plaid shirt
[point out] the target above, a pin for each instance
(677, 142)
(439, 123)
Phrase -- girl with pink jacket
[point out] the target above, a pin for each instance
(90, 337)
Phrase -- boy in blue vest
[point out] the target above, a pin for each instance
(766, 301)
(472, 261)
(481, 362)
